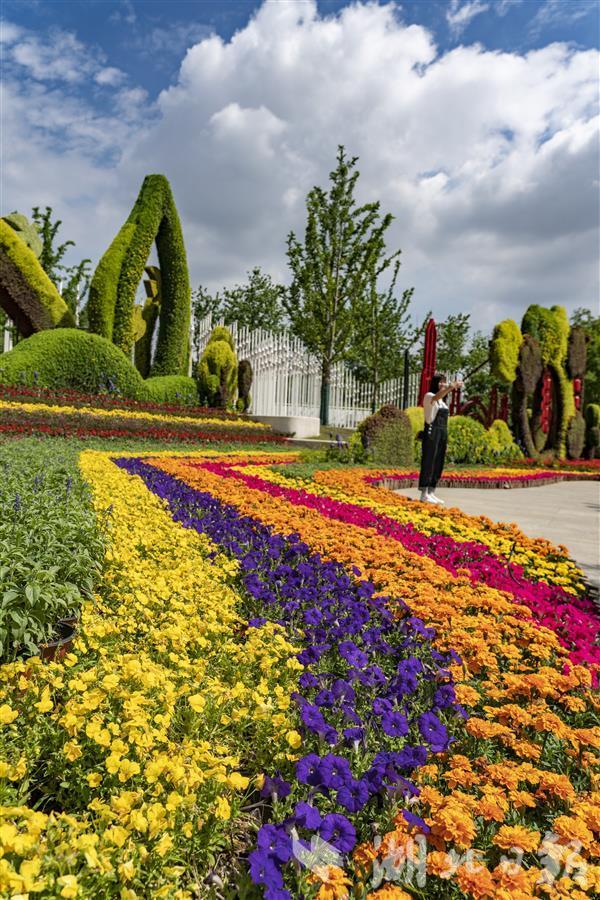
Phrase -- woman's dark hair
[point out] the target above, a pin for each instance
(434, 384)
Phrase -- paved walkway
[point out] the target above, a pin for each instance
(567, 513)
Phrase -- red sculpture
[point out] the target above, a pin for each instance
(429, 359)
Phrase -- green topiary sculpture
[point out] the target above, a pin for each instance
(504, 350)
(592, 431)
(150, 313)
(217, 371)
(244, 385)
(26, 230)
(114, 285)
(26, 293)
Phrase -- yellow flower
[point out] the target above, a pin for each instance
(70, 886)
(238, 781)
(72, 751)
(164, 845)
(197, 702)
(7, 714)
(293, 739)
(44, 705)
(222, 809)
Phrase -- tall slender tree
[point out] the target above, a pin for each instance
(343, 249)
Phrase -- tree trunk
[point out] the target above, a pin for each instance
(325, 389)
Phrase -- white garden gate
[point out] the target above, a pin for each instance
(287, 378)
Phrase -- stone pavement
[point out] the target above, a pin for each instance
(566, 513)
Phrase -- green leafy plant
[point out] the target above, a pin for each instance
(217, 370)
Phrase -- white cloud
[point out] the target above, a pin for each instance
(486, 159)
(61, 58)
(501, 7)
(556, 13)
(459, 16)
(9, 32)
(110, 76)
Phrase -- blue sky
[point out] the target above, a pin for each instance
(474, 120)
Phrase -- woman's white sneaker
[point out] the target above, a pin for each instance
(434, 499)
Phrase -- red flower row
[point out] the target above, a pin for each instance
(68, 429)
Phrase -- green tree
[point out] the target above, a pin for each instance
(343, 249)
(381, 336)
(256, 304)
(203, 304)
(72, 281)
(76, 285)
(453, 336)
(591, 324)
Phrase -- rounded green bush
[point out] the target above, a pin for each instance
(173, 389)
(467, 441)
(504, 350)
(217, 370)
(575, 436)
(550, 328)
(69, 358)
(501, 443)
(393, 444)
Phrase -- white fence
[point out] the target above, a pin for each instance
(287, 378)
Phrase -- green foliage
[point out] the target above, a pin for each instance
(469, 442)
(452, 343)
(576, 436)
(51, 256)
(393, 444)
(149, 313)
(51, 547)
(178, 390)
(500, 442)
(530, 364)
(566, 409)
(577, 352)
(114, 285)
(243, 385)
(592, 415)
(550, 328)
(256, 304)
(217, 371)
(26, 230)
(70, 358)
(343, 251)
(416, 417)
(370, 426)
(26, 293)
(504, 350)
(591, 326)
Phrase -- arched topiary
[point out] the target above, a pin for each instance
(217, 370)
(550, 328)
(71, 358)
(504, 350)
(114, 285)
(150, 313)
(26, 293)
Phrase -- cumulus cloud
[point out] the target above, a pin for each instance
(488, 160)
(458, 16)
(110, 76)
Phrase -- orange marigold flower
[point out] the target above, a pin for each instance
(334, 882)
(454, 823)
(573, 829)
(389, 892)
(516, 836)
(364, 854)
(476, 881)
(440, 863)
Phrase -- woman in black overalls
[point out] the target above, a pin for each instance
(435, 436)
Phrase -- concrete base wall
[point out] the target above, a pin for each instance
(297, 426)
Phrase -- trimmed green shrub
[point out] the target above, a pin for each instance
(577, 352)
(500, 442)
(504, 350)
(466, 440)
(576, 436)
(393, 443)
(530, 364)
(592, 415)
(370, 426)
(416, 417)
(244, 385)
(114, 285)
(70, 358)
(173, 389)
(26, 293)
(26, 230)
(222, 333)
(216, 372)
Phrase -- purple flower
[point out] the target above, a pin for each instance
(338, 831)
(433, 731)
(307, 680)
(335, 771)
(312, 717)
(444, 696)
(308, 770)
(350, 652)
(413, 819)
(394, 724)
(275, 842)
(353, 795)
(275, 787)
(307, 816)
(354, 734)
(411, 757)
(263, 870)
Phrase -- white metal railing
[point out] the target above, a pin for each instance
(287, 378)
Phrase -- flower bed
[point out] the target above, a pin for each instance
(269, 664)
(494, 478)
(32, 418)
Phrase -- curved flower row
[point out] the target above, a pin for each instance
(523, 778)
(541, 560)
(572, 618)
(497, 476)
(107, 415)
(124, 769)
(373, 700)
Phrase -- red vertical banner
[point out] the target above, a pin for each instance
(429, 359)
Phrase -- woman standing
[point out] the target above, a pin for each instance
(435, 436)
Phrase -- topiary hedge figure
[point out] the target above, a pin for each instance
(244, 383)
(27, 295)
(387, 436)
(178, 390)
(150, 313)
(71, 358)
(504, 350)
(216, 372)
(26, 230)
(112, 291)
(592, 432)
